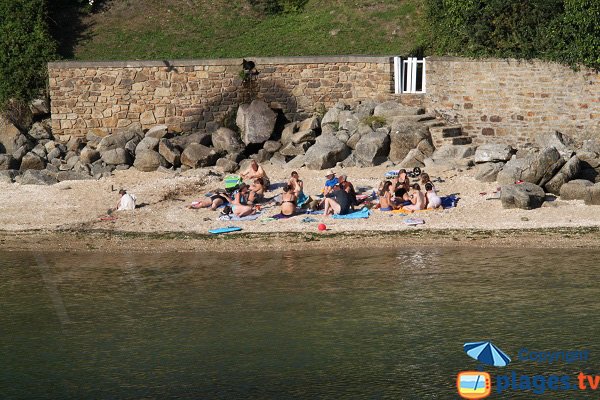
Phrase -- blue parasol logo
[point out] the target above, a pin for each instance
(487, 353)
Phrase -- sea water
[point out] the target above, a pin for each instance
(364, 324)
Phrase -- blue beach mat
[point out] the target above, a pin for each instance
(362, 213)
(450, 201)
(224, 230)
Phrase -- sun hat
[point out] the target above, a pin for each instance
(330, 172)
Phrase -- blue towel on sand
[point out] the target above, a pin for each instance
(362, 213)
(450, 201)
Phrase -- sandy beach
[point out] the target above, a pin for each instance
(67, 216)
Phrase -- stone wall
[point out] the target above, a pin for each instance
(190, 95)
(511, 101)
(495, 100)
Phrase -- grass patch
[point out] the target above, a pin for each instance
(152, 29)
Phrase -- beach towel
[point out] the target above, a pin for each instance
(362, 213)
(302, 199)
(450, 201)
(391, 174)
(232, 217)
(413, 221)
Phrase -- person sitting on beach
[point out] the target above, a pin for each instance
(257, 191)
(288, 200)
(214, 201)
(337, 202)
(331, 181)
(385, 197)
(425, 179)
(296, 183)
(349, 188)
(401, 186)
(126, 202)
(239, 202)
(431, 198)
(417, 199)
(255, 171)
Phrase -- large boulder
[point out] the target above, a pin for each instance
(291, 150)
(326, 152)
(493, 152)
(116, 156)
(414, 158)
(72, 176)
(537, 167)
(37, 177)
(452, 152)
(149, 160)
(304, 136)
(525, 195)
(348, 121)
(312, 123)
(147, 143)
(39, 107)
(116, 140)
(227, 166)
(196, 156)
(406, 136)
(10, 137)
(557, 140)
(256, 121)
(183, 141)
(89, 155)
(373, 148)
(40, 131)
(592, 195)
(392, 108)
(157, 132)
(8, 176)
(332, 115)
(575, 190)
(170, 152)
(225, 139)
(488, 172)
(288, 131)
(32, 161)
(272, 146)
(7, 162)
(568, 172)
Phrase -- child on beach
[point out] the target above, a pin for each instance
(431, 198)
(257, 191)
(385, 197)
(417, 199)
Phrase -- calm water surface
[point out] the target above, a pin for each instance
(379, 324)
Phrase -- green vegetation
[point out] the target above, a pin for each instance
(567, 31)
(153, 29)
(374, 121)
(25, 47)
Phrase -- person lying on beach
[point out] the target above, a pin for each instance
(288, 201)
(331, 181)
(431, 198)
(349, 188)
(255, 171)
(417, 199)
(214, 201)
(337, 202)
(257, 191)
(239, 202)
(385, 197)
(126, 202)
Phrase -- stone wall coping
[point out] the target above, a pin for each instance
(223, 61)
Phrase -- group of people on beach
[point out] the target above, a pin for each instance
(338, 195)
(399, 194)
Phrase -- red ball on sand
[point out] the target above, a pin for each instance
(322, 227)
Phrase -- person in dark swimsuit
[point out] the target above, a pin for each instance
(214, 201)
(338, 202)
(288, 200)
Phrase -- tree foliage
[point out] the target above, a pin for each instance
(25, 48)
(562, 30)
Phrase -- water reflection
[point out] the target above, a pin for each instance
(336, 324)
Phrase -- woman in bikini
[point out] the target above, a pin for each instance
(417, 199)
(385, 197)
(239, 202)
(288, 201)
(214, 202)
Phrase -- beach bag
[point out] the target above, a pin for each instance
(232, 182)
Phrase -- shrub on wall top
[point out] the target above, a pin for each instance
(25, 49)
